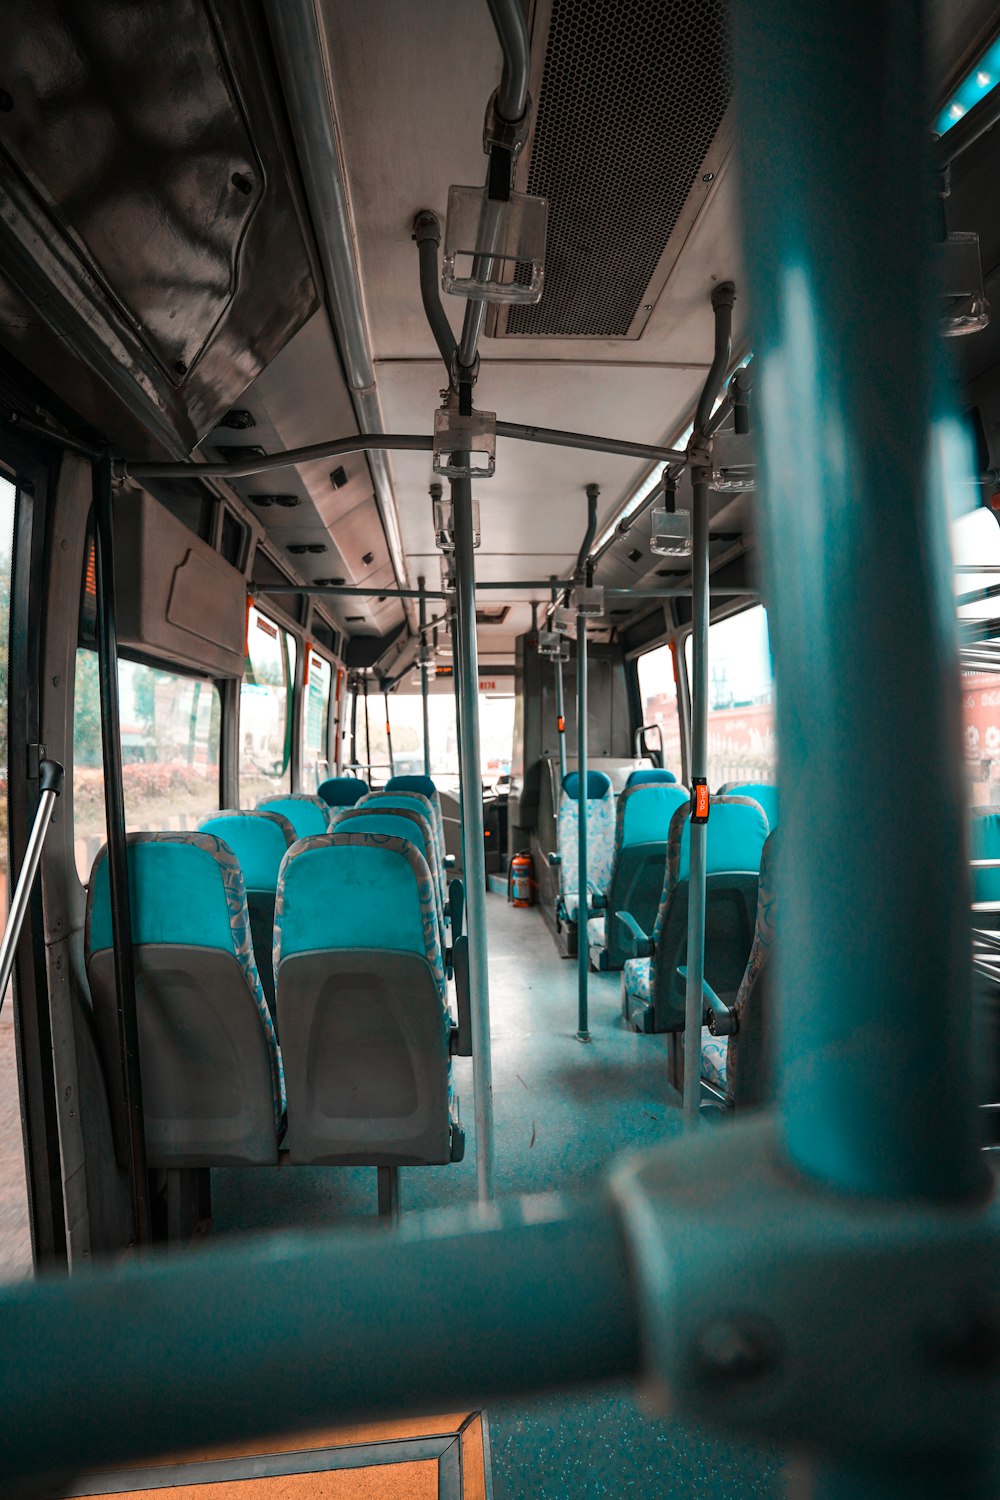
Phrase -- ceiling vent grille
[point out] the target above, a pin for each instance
(630, 104)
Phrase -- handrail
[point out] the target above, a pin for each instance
(50, 780)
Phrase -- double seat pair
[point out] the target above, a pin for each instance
(637, 900)
(356, 961)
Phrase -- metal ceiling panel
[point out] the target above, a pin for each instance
(626, 142)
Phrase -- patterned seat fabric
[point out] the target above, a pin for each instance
(307, 815)
(737, 830)
(414, 802)
(259, 841)
(188, 898)
(600, 806)
(424, 787)
(748, 1076)
(762, 792)
(342, 791)
(356, 940)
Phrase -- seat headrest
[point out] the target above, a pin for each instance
(649, 776)
(764, 793)
(342, 791)
(422, 784)
(258, 839)
(598, 785)
(644, 812)
(306, 814)
(185, 889)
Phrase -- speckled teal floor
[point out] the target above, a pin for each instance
(562, 1110)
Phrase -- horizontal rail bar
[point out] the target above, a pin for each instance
(353, 591)
(538, 1297)
(372, 442)
(364, 442)
(346, 591)
(557, 438)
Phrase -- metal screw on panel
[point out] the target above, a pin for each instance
(708, 176)
(242, 183)
(180, 367)
(732, 1350)
(647, 307)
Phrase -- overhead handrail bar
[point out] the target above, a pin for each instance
(723, 297)
(50, 782)
(513, 586)
(974, 124)
(427, 236)
(368, 442)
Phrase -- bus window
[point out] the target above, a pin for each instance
(315, 721)
(496, 735)
(170, 737)
(266, 710)
(975, 539)
(741, 744)
(658, 692)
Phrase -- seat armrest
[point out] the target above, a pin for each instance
(635, 941)
(461, 1037)
(721, 1021)
(456, 908)
(598, 898)
(449, 861)
(553, 859)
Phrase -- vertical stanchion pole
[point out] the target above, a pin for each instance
(338, 738)
(368, 736)
(133, 1123)
(560, 705)
(698, 832)
(424, 689)
(865, 653)
(353, 687)
(561, 718)
(582, 946)
(466, 660)
(388, 734)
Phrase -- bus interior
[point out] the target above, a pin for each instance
(458, 460)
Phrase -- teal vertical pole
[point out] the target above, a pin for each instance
(876, 1084)
(424, 687)
(582, 946)
(697, 832)
(466, 660)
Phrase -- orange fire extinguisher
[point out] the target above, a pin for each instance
(521, 880)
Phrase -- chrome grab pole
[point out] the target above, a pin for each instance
(388, 735)
(466, 659)
(582, 946)
(723, 297)
(50, 782)
(424, 687)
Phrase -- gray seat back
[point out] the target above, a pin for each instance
(211, 1071)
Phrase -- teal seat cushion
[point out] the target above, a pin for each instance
(644, 813)
(356, 890)
(762, 792)
(177, 895)
(307, 815)
(342, 791)
(258, 839)
(985, 844)
(650, 776)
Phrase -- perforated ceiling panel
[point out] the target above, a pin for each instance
(631, 100)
